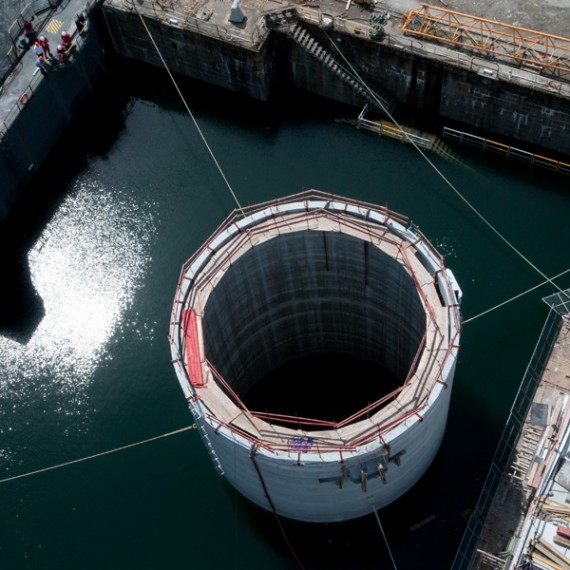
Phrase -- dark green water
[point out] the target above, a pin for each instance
(104, 232)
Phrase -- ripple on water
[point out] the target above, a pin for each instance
(86, 266)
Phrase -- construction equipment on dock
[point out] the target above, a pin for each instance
(538, 51)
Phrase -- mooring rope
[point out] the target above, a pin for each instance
(383, 535)
(95, 455)
(378, 101)
(515, 297)
(188, 109)
(273, 509)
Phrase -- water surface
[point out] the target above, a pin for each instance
(88, 367)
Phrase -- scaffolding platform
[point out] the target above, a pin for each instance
(522, 519)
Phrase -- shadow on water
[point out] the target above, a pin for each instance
(153, 84)
(22, 309)
(412, 526)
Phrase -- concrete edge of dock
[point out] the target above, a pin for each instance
(522, 518)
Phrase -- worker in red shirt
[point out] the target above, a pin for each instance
(29, 32)
(44, 42)
(62, 55)
(65, 40)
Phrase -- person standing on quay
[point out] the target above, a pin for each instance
(65, 40)
(42, 65)
(44, 42)
(62, 55)
(29, 32)
(38, 49)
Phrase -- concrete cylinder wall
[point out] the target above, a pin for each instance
(310, 491)
(310, 293)
(311, 275)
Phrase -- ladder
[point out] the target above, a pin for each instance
(302, 37)
(210, 447)
(199, 417)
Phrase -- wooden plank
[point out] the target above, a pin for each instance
(560, 540)
(546, 561)
(563, 532)
(550, 552)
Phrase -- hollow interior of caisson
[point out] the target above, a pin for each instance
(314, 324)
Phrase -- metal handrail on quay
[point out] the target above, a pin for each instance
(507, 151)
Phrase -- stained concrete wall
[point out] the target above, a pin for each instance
(310, 293)
(193, 50)
(516, 112)
(511, 110)
(408, 76)
(34, 128)
(508, 109)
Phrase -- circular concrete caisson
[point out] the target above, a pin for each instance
(316, 275)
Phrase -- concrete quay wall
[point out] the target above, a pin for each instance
(475, 93)
(508, 109)
(194, 47)
(505, 102)
(255, 60)
(40, 114)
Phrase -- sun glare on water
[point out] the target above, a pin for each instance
(86, 267)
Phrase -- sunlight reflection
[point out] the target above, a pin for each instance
(87, 266)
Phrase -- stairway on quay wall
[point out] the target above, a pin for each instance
(355, 54)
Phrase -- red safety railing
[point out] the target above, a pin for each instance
(188, 340)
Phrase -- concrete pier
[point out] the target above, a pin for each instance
(36, 107)
(337, 49)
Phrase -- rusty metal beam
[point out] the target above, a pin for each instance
(540, 51)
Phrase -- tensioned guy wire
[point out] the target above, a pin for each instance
(377, 100)
(95, 455)
(384, 536)
(515, 297)
(188, 109)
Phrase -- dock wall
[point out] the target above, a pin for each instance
(508, 109)
(196, 48)
(399, 69)
(258, 60)
(39, 117)
(538, 116)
